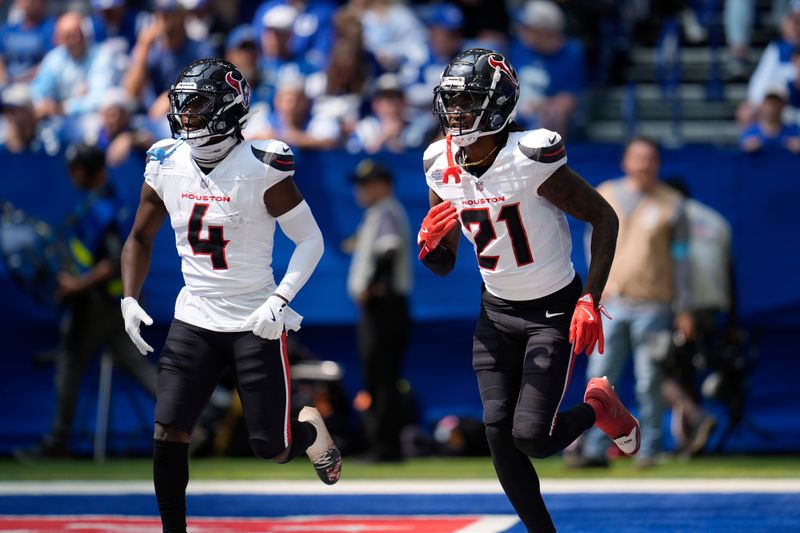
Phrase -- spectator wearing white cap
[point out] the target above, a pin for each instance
(312, 28)
(277, 58)
(18, 127)
(162, 49)
(23, 44)
(120, 133)
(551, 68)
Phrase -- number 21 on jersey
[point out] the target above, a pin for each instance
(481, 217)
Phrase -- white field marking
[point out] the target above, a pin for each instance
(409, 486)
(490, 524)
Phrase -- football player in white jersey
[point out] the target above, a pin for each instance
(509, 190)
(223, 196)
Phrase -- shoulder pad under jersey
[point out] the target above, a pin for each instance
(432, 153)
(273, 153)
(542, 146)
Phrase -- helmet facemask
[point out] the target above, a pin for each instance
(197, 117)
(461, 114)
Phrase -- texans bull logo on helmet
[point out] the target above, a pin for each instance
(244, 92)
(499, 62)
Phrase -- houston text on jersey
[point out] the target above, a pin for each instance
(484, 201)
(205, 197)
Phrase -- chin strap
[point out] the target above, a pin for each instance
(452, 169)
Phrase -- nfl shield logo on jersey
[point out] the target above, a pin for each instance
(436, 175)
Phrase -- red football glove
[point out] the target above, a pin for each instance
(437, 223)
(586, 327)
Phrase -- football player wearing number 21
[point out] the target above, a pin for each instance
(223, 196)
(508, 191)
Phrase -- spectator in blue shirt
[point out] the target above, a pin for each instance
(24, 44)
(277, 58)
(120, 133)
(392, 32)
(312, 28)
(291, 121)
(551, 68)
(775, 64)
(445, 23)
(770, 132)
(111, 19)
(162, 50)
(388, 127)
(74, 76)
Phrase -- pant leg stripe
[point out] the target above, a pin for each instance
(566, 386)
(287, 428)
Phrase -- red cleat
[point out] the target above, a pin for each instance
(612, 417)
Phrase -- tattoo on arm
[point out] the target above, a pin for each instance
(569, 192)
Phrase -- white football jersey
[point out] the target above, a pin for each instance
(223, 231)
(522, 241)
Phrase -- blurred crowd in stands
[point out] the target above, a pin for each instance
(356, 74)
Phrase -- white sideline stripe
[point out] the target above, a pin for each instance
(407, 486)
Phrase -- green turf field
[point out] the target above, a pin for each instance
(763, 467)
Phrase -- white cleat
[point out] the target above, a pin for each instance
(323, 452)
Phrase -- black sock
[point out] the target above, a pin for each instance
(170, 477)
(519, 480)
(303, 435)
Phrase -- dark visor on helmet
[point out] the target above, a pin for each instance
(191, 110)
(460, 102)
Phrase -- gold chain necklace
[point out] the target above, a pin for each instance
(477, 163)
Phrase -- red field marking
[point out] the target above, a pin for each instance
(99, 524)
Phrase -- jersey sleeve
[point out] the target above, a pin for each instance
(277, 158)
(542, 152)
(156, 156)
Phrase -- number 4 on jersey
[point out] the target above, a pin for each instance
(214, 245)
(486, 234)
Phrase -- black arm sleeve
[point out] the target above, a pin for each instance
(440, 260)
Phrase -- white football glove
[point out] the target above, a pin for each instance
(134, 315)
(267, 320)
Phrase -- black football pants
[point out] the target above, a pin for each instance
(523, 362)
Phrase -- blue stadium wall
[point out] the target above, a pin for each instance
(759, 194)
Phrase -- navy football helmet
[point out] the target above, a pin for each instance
(210, 98)
(477, 95)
